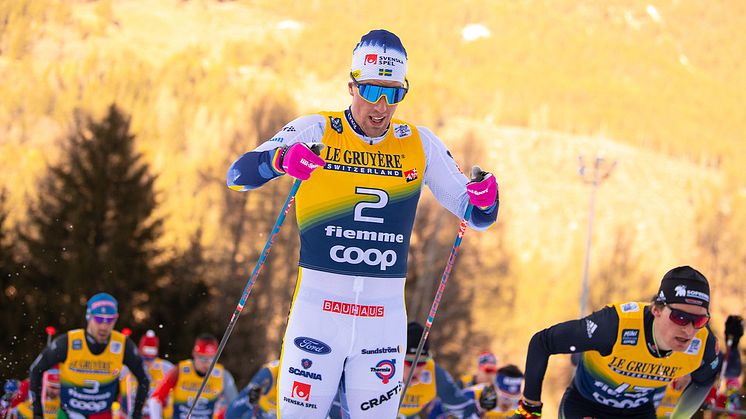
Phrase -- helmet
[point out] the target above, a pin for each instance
(52, 377)
(149, 345)
(487, 362)
(101, 304)
(379, 55)
(414, 334)
(11, 386)
(205, 345)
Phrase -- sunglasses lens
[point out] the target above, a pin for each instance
(683, 318)
(678, 319)
(370, 93)
(700, 322)
(105, 320)
(373, 93)
(400, 93)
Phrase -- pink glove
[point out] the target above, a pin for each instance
(483, 193)
(299, 161)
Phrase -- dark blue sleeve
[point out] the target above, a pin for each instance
(252, 170)
(263, 378)
(53, 354)
(710, 366)
(596, 332)
(482, 218)
(451, 397)
(240, 406)
(735, 366)
(703, 379)
(133, 361)
(437, 411)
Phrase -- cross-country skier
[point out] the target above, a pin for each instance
(355, 211)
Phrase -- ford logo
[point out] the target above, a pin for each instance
(312, 345)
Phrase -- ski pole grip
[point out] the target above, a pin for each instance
(477, 174)
(317, 148)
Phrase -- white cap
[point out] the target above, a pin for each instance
(379, 55)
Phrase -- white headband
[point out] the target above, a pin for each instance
(379, 56)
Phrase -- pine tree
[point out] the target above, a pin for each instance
(181, 308)
(12, 323)
(93, 229)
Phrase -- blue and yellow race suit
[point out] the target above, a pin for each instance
(156, 368)
(474, 392)
(266, 408)
(621, 372)
(89, 383)
(89, 373)
(25, 409)
(355, 219)
(436, 387)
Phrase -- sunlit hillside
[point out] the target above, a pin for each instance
(658, 87)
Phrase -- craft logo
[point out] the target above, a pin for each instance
(382, 398)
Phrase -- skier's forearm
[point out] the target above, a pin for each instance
(253, 170)
(51, 355)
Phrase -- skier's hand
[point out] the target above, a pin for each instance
(488, 398)
(299, 160)
(482, 189)
(734, 329)
(255, 392)
(681, 383)
(527, 411)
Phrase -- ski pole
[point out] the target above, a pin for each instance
(316, 148)
(476, 176)
(50, 332)
(247, 288)
(721, 376)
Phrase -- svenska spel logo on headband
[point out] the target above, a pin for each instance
(390, 61)
(103, 303)
(370, 59)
